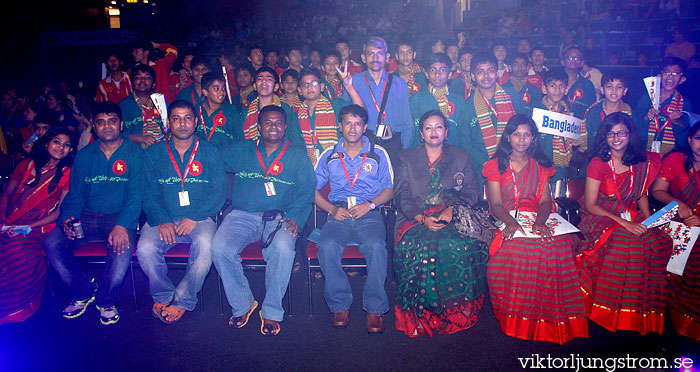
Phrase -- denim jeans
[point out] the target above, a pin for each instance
(370, 232)
(239, 229)
(150, 253)
(59, 251)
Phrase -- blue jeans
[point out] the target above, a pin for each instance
(239, 229)
(59, 251)
(150, 253)
(370, 232)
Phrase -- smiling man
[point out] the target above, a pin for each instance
(185, 187)
(142, 122)
(272, 198)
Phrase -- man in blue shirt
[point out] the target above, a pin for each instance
(370, 86)
(361, 180)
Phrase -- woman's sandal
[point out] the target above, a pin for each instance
(241, 321)
(269, 329)
(173, 312)
(158, 309)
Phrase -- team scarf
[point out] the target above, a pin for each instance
(150, 116)
(411, 82)
(440, 95)
(591, 111)
(504, 111)
(561, 146)
(244, 93)
(668, 139)
(294, 104)
(334, 82)
(326, 131)
(250, 125)
(467, 84)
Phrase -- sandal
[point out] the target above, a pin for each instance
(158, 309)
(241, 321)
(172, 311)
(269, 329)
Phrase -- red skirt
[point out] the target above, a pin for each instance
(684, 297)
(623, 277)
(22, 276)
(535, 289)
(451, 320)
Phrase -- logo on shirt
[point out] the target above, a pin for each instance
(450, 108)
(578, 93)
(276, 168)
(415, 87)
(368, 168)
(196, 168)
(526, 97)
(119, 167)
(459, 179)
(219, 119)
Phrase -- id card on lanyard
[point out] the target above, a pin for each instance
(352, 200)
(183, 196)
(625, 215)
(275, 169)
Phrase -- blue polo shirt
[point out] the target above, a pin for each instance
(398, 113)
(374, 176)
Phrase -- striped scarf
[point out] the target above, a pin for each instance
(411, 82)
(584, 128)
(467, 84)
(504, 111)
(294, 104)
(440, 95)
(250, 125)
(561, 146)
(667, 138)
(326, 131)
(334, 82)
(151, 119)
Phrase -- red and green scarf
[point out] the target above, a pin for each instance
(503, 111)
(440, 95)
(415, 68)
(334, 82)
(326, 131)
(561, 146)
(668, 139)
(250, 124)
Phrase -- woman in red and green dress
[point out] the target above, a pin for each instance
(34, 201)
(679, 180)
(623, 263)
(533, 283)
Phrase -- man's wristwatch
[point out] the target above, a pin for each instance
(372, 205)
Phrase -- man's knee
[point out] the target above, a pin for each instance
(55, 242)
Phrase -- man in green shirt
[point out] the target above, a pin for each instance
(185, 187)
(272, 198)
(142, 121)
(217, 117)
(106, 188)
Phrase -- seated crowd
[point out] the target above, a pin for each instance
(260, 146)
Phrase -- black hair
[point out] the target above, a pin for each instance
(247, 67)
(674, 61)
(567, 50)
(687, 150)
(40, 155)
(293, 73)
(634, 153)
(480, 58)
(199, 60)
(505, 149)
(537, 47)
(406, 41)
(331, 53)
(144, 45)
(354, 110)
(45, 118)
(429, 114)
(612, 75)
(310, 71)
(210, 77)
(293, 47)
(555, 74)
(180, 103)
(464, 51)
(252, 48)
(143, 69)
(516, 55)
(106, 107)
(269, 108)
(267, 69)
(438, 58)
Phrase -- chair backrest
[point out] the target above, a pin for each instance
(575, 188)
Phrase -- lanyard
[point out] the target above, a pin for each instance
(617, 191)
(493, 110)
(515, 185)
(352, 183)
(375, 99)
(262, 164)
(204, 126)
(660, 131)
(189, 162)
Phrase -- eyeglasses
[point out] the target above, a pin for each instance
(573, 58)
(620, 134)
(671, 73)
(314, 84)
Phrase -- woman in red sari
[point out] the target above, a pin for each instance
(33, 201)
(623, 264)
(679, 180)
(533, 283)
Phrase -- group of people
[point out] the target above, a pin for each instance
(246, 153)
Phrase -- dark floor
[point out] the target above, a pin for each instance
(202, 340)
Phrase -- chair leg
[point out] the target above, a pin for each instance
(133, 285)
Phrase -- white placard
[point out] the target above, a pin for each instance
(159, 101)
(653, 84)
(684, 238)
(555, 221)
(557, 124)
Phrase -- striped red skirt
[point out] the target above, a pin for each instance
(623, 277)
(22, 276)
(535, 289)
(684, 297)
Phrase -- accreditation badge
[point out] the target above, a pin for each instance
(627, 216)
(184, 197)
(656, 146)
(352, 201)
(270, 188)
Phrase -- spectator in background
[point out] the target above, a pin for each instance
(142, 53)
(538, 59)
(642, 58)
(679, 46)
(117, 85)
(594, 54)
(524, 46)
(501, 54)
(255, 57)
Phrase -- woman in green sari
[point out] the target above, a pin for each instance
(441, 274)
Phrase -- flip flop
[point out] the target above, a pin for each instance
(171, 310)
(268, 329)
(241, 321)
(157, 309)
